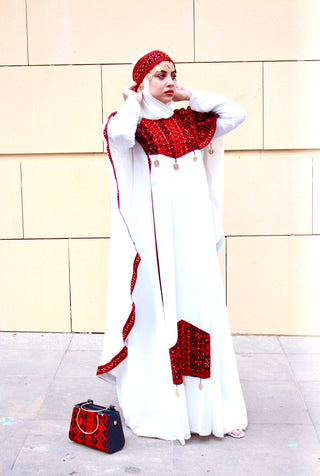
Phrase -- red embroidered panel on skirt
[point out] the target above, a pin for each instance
(191, 354)
(184, 132)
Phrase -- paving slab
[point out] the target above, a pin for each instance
(30, 362)
(263, 367)
(50, 438)
(44, 375)
(87, 342)
(22, 397)
(271, 449)
(256, 344)
(63, 394)
(275, 402)
(79, 363)
(34, 340)
(300, 345)
(311, 395)
(306, 367)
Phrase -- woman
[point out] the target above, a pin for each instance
(167, 343)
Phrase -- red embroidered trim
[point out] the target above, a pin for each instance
(103, 369)
(184, 132)
(191, 354)
(131, 319)
(146, 63)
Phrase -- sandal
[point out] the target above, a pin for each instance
(236, 433)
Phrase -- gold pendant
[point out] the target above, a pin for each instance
(158, 68)
(175, 166)
(200, 386)
(211, 151)
(195, 158)
(156, 163)
(177, 393)
(149, 76)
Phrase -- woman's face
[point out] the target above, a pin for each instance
(163, 84)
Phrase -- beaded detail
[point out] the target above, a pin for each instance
(184, 132)
(147, 62)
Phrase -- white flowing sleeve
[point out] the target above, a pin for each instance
(230, 114)
(122, 127)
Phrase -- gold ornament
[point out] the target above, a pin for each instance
(195, 158)
(149, 76)
(175, 166)
(170, 65)
(177, 393)
(141, 86)
(158, 67)
(156, 163)
(200, 386)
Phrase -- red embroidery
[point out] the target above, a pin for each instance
(191, 354)
(103, 369)
(146, 63)
(116, 360)
(185, 131)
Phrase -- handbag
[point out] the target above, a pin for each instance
(96, 426)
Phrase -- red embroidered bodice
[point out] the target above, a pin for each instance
(185, 131)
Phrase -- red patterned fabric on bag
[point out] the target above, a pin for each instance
(99, 430)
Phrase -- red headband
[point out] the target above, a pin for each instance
(146, 63)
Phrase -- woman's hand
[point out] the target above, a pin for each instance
(182, 93)
(132, 91)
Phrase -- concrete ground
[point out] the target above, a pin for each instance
(43, 375)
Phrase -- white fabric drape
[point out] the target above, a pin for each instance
(185, 210)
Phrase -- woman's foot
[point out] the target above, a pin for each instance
(236, 433)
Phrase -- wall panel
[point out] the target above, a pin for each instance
(66, 197)
(273, 285)
(89, 279)
(291, 105)
(268, 196)
(34, 290)
(50, 109)
(107, 31)
(13, 34)
(250, 30)
(10, 200)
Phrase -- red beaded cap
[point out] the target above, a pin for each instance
(146, 63)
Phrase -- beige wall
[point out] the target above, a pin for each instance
(63, 66)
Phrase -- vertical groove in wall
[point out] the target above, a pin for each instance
(226, 268)
(312, 195)
(27, 32)
(194, 30)
(21, 198)
(262, 105)
(69, 272)
(101, 87)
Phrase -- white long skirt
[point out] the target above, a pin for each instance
(191, 289)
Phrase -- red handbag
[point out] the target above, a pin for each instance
(96, 426)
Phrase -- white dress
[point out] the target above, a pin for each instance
(166, 230)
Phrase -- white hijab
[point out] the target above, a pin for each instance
(151, 108)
